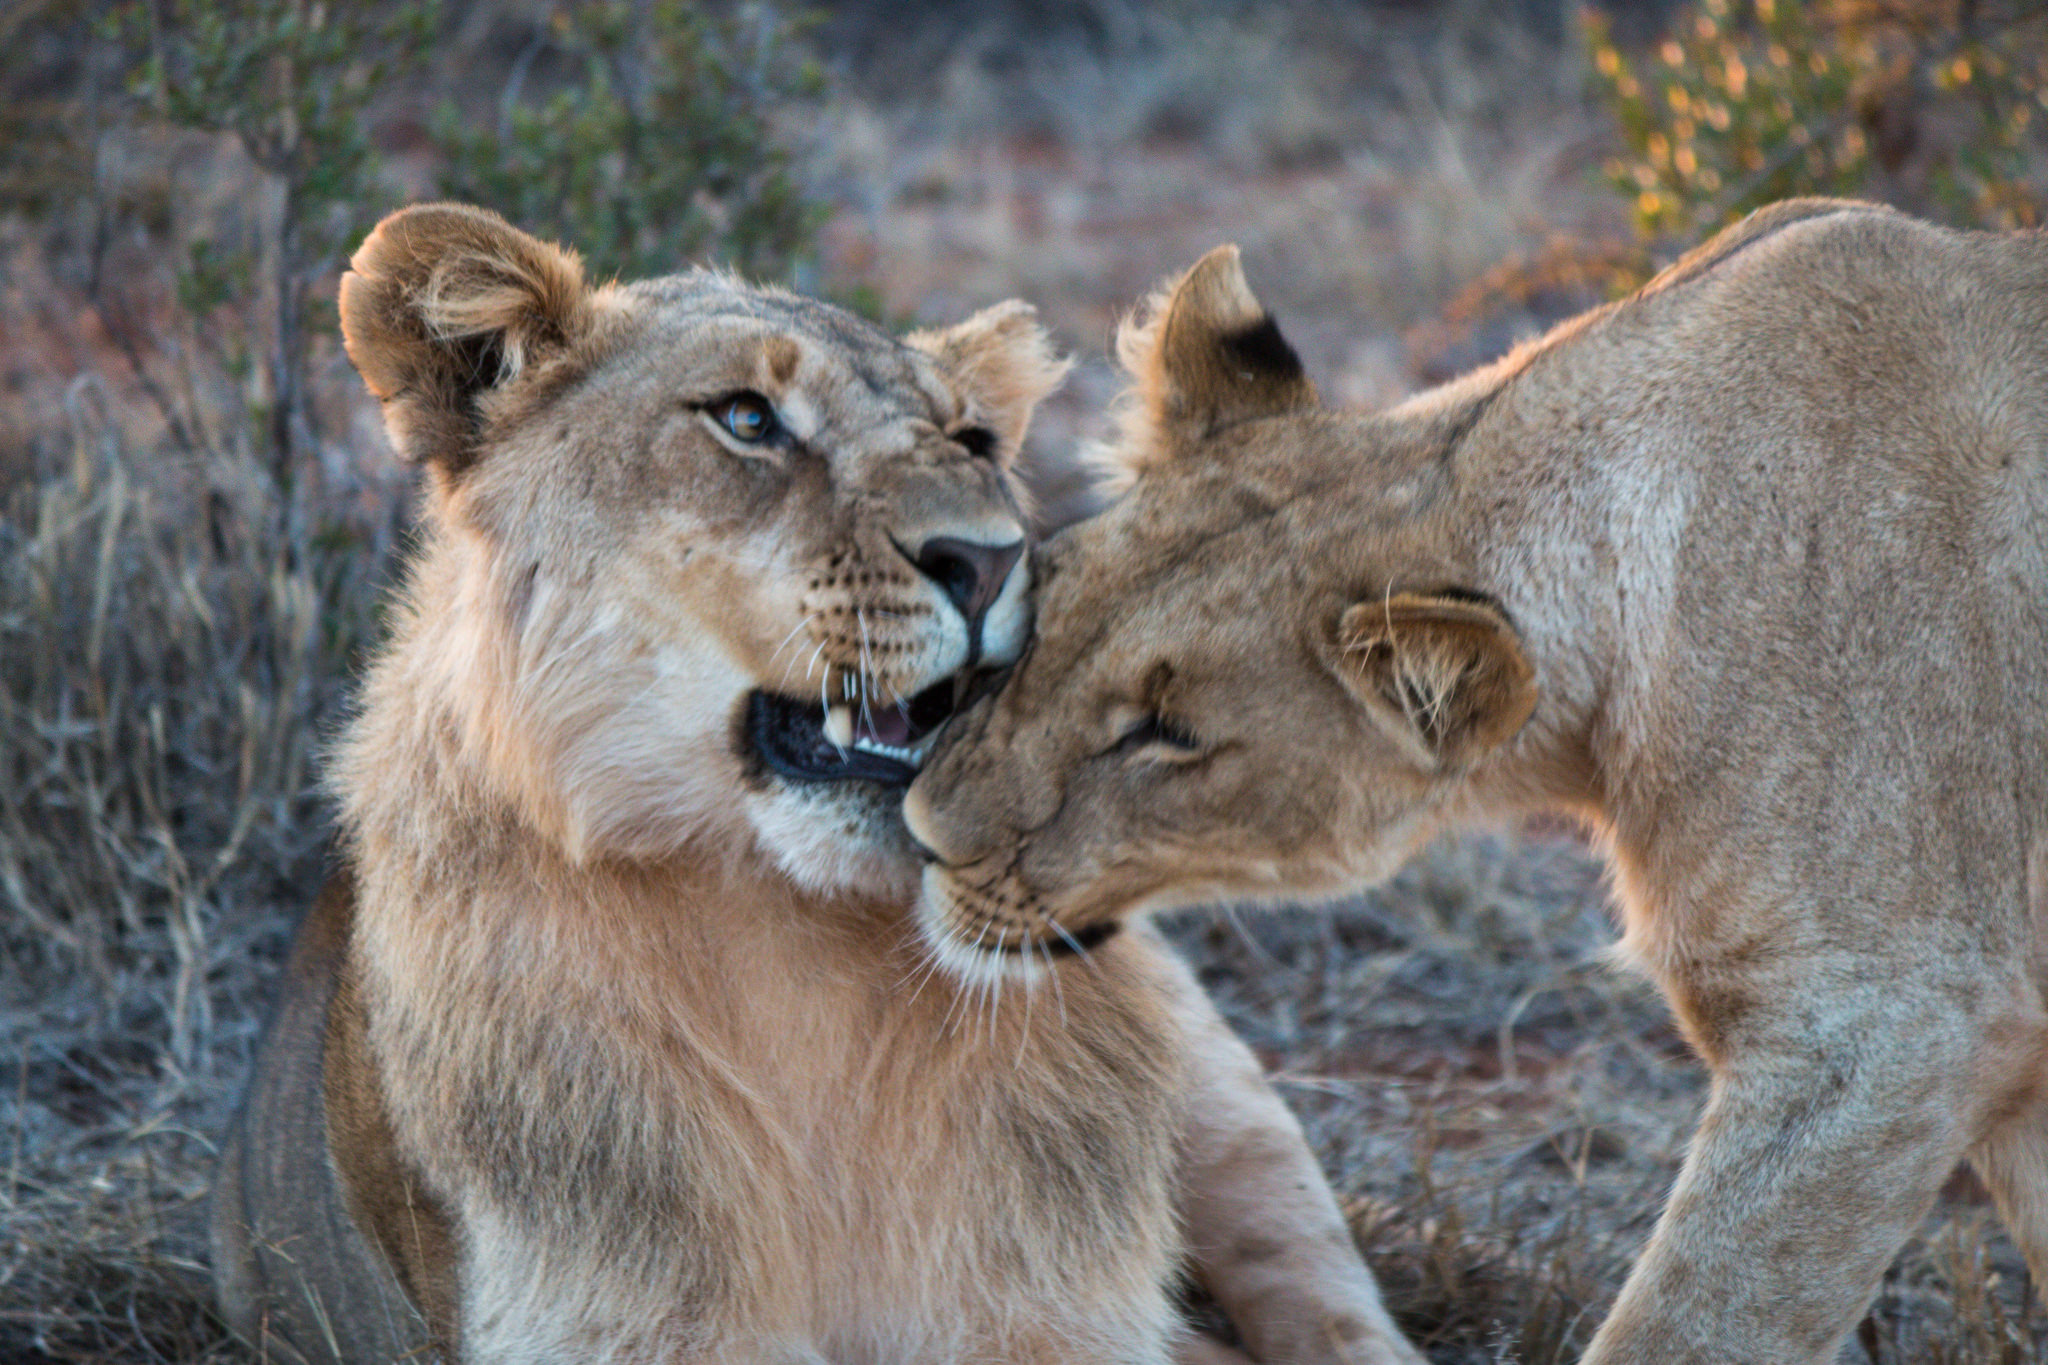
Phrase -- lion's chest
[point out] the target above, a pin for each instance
(948, 1166)
(835, 1167)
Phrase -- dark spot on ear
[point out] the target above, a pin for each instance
(477, 362)
(979, 442)
(1417, 704)
(1157, 684)
(1261, 348)
(1472, 595)
(1477, 599)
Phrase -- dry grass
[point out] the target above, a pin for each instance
(1501, 1110)
(173, 649)
(1371, 163)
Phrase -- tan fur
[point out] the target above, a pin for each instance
(610, 1044)
(1749, 571)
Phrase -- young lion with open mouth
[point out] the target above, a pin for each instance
(1749, 571)
(614, 1040)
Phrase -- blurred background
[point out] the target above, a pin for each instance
(198, 509)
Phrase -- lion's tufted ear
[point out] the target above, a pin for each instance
(1443, 675)
(1201, 356)
(443, 303)
(1003, 362)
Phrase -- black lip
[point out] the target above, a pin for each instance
(790, 738)
(1066, 945)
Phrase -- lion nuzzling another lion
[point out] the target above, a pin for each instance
(1749, 572)
(613, 1039)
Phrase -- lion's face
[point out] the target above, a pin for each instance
(1218, 704)
(714, 562)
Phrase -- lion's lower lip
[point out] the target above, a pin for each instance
(789, 736)
(1076, 943)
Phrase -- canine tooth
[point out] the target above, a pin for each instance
(839, 726)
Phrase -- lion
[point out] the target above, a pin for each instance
(1749, 572)
(612, 1039)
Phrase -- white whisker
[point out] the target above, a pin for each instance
(825, 707)
(1075, 944)
(995, 999)
(961, 990)
(928, 962)
(1052, 969)
(812, 666)
(978, 985)
(794, 631)
(1024, 1034)
(808, 620)
(866, 667)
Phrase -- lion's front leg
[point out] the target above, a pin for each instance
(1838, 1110)
(1263, 1228)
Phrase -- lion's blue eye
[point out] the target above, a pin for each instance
(748, 416)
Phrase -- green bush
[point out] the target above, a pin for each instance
(641, 131)
(659, 150)
(1935, 105)
(293, 82)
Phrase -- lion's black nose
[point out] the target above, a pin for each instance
(971, 575)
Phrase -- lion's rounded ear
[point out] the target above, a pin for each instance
(1444, 676)
(1004, 363)
(1201, 356)
(443, 302)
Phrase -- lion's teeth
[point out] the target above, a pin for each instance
(912, 757)
(839, 726)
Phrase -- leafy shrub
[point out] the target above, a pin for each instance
(660, 147)
(651, 142)
(293, 82)
(1936, 105)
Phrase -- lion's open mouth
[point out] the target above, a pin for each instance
(886, 744)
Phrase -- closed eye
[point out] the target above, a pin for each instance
(1154, 728)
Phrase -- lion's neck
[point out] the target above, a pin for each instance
(1459, 487)
(781, 996)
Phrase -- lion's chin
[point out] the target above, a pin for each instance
(829, 783)
(944, 925)
(839, 838)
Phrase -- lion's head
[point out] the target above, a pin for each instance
(1257, 674)
(702, 561)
